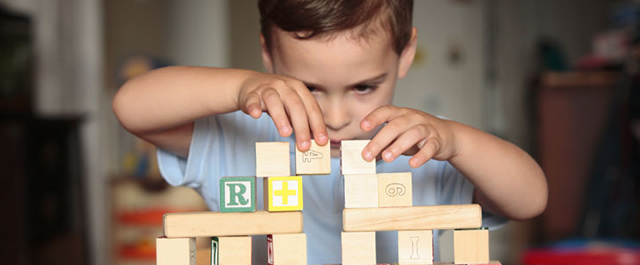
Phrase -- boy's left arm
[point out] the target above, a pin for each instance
(507, 180)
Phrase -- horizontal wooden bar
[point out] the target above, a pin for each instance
(206, 224)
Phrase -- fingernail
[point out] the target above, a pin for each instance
(305, 144)
(368, 155)
(322, 137)
(387, 155)
(366, 124)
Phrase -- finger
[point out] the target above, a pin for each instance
(405, 142)
(275, 108)
(298, 115)
(385, 137)
(252, 105)
(425, 154)
(379, 116)
(316, 119)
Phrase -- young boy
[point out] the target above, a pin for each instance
(332, 65)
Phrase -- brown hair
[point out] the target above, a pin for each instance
(319, 17)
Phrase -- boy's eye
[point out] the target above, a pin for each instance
(364, 88)
(311, 88)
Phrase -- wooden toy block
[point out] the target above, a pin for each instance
(412, 218)
(175, 251)
(283, 194)
(208, 224)
(237, 194)
(361, 191)
(287, 249)
(234, 250)
(471, 246)
(315, 161)
(272, 159)
(351, 161)
(395, 189)
(415, 247)
(358, 248)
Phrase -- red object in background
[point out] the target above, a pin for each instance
(580, 256)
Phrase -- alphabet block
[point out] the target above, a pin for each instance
(361, 191)
(287, 249)
(235, 250)
(352, 162)
(175, 251)
(395, 189)
(283, 194)
(315, 161)
(415, 247)
(272, 159)
(237, 194)
(358, 248)
(471, 246)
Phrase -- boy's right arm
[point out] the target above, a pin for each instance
(161, 106)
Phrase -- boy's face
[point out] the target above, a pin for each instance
(349, 77)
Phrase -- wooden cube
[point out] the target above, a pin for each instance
(315, 161)
(237, 194)
(471, 246)
(361, 191)
(351, 161)
(273, 159)
(395, 189)
(415, 247)
(175, 251)
(358, 248)
(287, 249)
(283, 194)
(233, 250)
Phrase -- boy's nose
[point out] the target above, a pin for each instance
(337, 116)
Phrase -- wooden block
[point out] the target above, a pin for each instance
(283, 194)
(287, 249)
(471, 246)
(315, 161)
(358, 248)
(351, 161)
(395, 189)
(361, 191)
(175, 251)
(237, 194)
(272, 159)
(415, 247)
(412, 218)
(233, 250)
(208, 224)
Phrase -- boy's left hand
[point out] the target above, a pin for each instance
(409, 132)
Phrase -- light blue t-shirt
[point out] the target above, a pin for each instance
(224, 145)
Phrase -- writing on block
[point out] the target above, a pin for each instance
(361, 191)
(283, 193)
(237, 194)
(351, 161)
(358, 248)
(412, 218)
(471, 246)
(231, 250)
(315, 161)
(395, 189)
(415, 247)
(209, 224)
(287, 249)
(272, 159)
(175, 251)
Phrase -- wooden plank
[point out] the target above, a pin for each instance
(471, 246)
(273, 159)
(175, 251)
(361, 191)
(412, 218)
(209, 224)
(315, 161)
(351, 162)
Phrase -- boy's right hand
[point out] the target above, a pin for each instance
(289, 103)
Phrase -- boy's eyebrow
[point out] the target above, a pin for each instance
(376, 79)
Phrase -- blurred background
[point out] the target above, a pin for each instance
(557, 78)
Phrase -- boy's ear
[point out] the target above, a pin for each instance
(409, 52)
(266, 56)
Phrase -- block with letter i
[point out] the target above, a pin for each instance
(232, 250)
(175, 251)
(351, 161)
(471, 246)
(315, 161)
(237, 194)
(287, 249)
(358, 248)
(395, 190)
(272, 159)
(415, 247)
(283, 194)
